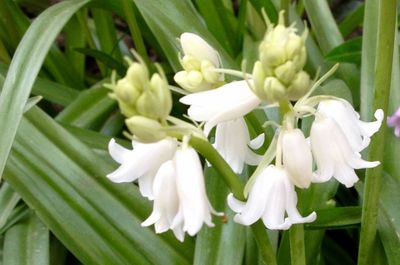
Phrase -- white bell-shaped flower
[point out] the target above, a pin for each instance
(197, 47)
(194, 206)
(166, 201)
(232, 140)
(357, 132)
(228, 102)
(180, 200)
(141, 163)
(296, 157)
(333, 153)
(271, 198)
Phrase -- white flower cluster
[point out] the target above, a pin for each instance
(170, 174)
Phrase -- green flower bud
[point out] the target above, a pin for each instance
(145, 129)
(138, 75)
(274, 90)
(161, 88)
(286, 72)
(190, 63)
(210, 76)
(299, 86)
(125, 91)
(272, 55)
(258, 80)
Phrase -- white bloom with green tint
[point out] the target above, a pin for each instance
(357, 132)
(273, 199)
(334, 154)
(199, 62)
(141, 163)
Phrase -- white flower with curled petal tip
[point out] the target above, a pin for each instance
(197, 47)
(271, 196)
(297, 158)
(140, 163)
(194, 206)
(333, 153)
(166, 201)
(357, 132)
(232, 140)
(228, 102)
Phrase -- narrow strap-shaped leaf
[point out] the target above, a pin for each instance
(25, 66)
(95, 219)
(8, 200)
(27, 243)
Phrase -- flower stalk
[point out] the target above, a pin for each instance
(384, 59)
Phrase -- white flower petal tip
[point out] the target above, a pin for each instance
(141, 163)
(333, 153)
(271, 197)
(231, 141)
(228, 102)
(257, 142)
(297, 157)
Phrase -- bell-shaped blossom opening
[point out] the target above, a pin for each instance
(357, 132)
(333, 153)
(166, 201)
(297, 158)
(231, 140)
(228, 102)
(194, 207)
(140, 163)
(271, 198)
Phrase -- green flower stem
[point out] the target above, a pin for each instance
(208, 151)
(386, 32)
(297, 249)
(129, 13)
(236, 186)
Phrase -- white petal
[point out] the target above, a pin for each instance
(257, 142)
(229, 102)
(231, 140)
(197, 47)
(369, 128)
(146, 184)
(252, 158)
(297, 158)
(193, 199)
(118, 152)
(236, 205)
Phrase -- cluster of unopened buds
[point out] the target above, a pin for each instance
(169, 171)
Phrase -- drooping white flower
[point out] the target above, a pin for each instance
(199, 62)
(141, 163)
(231, 140)
(333, 153)
(356, 131)
(194, 206)
(297, 158)
(180, 199)
(228, 102)
(166, 201)
(271, 196)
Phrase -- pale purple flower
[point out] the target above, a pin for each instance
(394, 121)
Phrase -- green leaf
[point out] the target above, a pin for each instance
(27, 243)
(224, 243)
(348, 52)
(105, 58)
(169, 19)
(8, 200)
(336, 218)
(95, 219)
(89, 110)
(25, 66)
